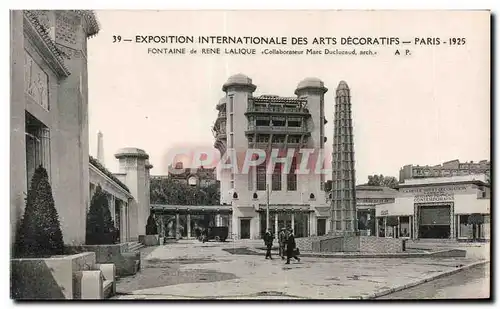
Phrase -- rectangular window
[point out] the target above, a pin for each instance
(250, 178)
(37, 143)
(231, 104)
(291, 181)
(276, 178)
(262, 122)
(261, 177)
(294, 122)
(279, 138)
(404, 226)
(338, 225)
(279, 122)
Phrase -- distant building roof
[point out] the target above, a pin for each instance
(444, 180)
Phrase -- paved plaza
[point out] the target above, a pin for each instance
(193, 270)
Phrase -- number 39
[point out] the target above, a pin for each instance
(117, 38)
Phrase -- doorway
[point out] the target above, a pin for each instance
(245, 228)
(321, 227)
(434, 221)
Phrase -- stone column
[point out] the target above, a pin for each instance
(397, 233)
(305, 226)
(376, 226)
(188, 225)
(385, 226)
(276, 225)
(293, 223)
(177, 227)
(217, 220)
(162, 225)
(123, 223)
(112, 204)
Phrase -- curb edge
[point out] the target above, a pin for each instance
(421, 281)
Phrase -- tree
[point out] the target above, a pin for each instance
(168, 191)
(100, 226)
(151, 228)
(383, 181)
(39, 233)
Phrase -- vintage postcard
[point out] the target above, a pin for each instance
(241, 155)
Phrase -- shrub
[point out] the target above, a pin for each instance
(151, 228)
(39, 233)
(100, 227)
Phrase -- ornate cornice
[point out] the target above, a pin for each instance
(91, 25)
(44, 44)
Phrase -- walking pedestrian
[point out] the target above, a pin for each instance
(282, 242)
(268, 241)
(291, 249)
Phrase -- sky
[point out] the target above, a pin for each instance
(427, 108)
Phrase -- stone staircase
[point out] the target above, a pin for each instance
(134, 246)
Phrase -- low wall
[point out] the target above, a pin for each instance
(357, 244)
(149, 240)
(380, 245)
(126, 263)
(306, 243)
(48, 278)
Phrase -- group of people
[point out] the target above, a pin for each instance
(287, 246)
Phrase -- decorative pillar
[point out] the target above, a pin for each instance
(112, 207)
(276, 225)
(376, 227)
(188, 225)
(217, 220)
(305, 225)
(45, 149)
(123, 223)
(162, 225)
(385, 226)
(177, 227)
(397, 233)
(293, 223)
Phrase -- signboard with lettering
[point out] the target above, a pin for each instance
(434, 194)
(430, 190)
(439, 197)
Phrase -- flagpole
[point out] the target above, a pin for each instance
(267, 207)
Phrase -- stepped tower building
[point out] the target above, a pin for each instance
(343, 203)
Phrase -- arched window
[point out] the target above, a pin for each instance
(235, 195)
(255, 196)
(311, 196)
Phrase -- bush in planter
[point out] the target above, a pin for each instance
(100, 226)
(151, 228)
(39, 232)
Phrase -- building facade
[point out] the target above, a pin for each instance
(438, 207)
(49, 127)
(49, 111)
(447, 169)
(268, 123)
(367, 197)
(202, 177)
(127, 191)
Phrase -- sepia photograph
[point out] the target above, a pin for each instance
(250, 154)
